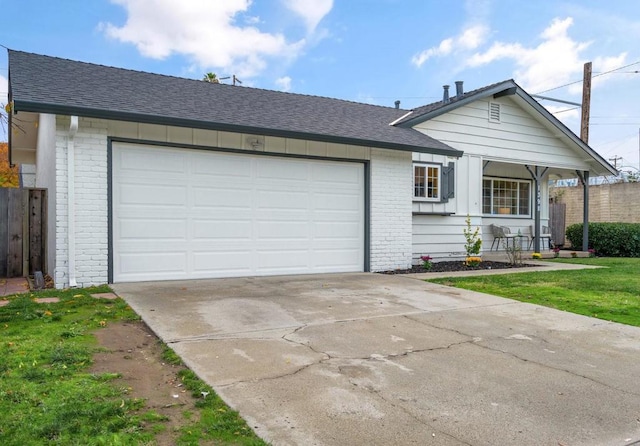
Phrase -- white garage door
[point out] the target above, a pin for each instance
(187, 214)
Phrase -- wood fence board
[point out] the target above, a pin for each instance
(557, 218)
(4, 231)
(36, 245)
(15, 215)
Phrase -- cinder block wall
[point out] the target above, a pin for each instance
(619, 202)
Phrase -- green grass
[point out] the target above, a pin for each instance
(611, 293)
(47, 395)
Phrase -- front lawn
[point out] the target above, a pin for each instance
(611, 293)
(48, 394)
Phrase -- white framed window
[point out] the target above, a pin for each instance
(427, 181)
(505, 196)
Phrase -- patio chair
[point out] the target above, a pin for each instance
(545, 233)
(502, 232)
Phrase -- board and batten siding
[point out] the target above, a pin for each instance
(517, 140)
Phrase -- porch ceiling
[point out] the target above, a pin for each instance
(24, 137)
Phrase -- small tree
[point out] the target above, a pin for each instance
(474, 242)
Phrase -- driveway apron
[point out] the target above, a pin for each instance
(388, 360)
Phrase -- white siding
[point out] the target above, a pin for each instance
(490, 149)
(518, 138)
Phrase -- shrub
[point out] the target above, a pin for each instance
(474, 241)
(609, 239)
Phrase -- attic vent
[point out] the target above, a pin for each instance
(494, 112)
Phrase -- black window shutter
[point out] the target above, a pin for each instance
(448, 182)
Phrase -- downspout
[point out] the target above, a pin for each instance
(71, 203)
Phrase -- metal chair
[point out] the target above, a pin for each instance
(545, 233)
(502, 232)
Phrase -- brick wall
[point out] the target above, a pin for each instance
(91, 222)
(619, 202)
(391, 195)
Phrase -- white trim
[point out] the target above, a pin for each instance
(401, 118)
(438, 166)
(517, 180)
(71, 202)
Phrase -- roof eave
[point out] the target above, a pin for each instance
(453, 104)
(38, 107)
(503, 87)
(566, 131)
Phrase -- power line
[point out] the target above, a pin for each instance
(597, 75)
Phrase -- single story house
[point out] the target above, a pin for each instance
(153, 177)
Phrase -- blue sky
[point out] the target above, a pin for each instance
(373, 51)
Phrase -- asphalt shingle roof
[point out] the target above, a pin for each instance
(429, 108)
(53, 85)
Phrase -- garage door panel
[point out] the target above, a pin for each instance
(287, 230)
(331, 230)
(136, 263)
(228, 215)
(230, 230)
(337, 175)
(336, 259)
(152, 195)
(224, 167)
(283, 200)
(282, 172)
(283, 261)
(344, 201)
(222, 263)
(152, 229)
(137, 162)
(223, 197)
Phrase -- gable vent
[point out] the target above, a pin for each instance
(494, 112)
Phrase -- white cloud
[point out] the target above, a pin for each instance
(209, 33)
(556, 60)
(469, 39)
(284, 83)
(311, 11)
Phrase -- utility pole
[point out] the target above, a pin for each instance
(615, 160)
(586, 103)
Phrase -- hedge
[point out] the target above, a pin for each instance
(609, 239)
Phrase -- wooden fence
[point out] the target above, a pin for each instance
(23, 218)
(557, 217)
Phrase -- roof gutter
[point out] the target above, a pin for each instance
(71, 203)
(191, 123)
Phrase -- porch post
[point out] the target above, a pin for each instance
(585, 211)
(537, 174)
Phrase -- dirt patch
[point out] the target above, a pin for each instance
(134, 352)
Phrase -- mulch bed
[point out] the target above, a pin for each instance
(456, 266)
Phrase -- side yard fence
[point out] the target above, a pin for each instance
(22, 231)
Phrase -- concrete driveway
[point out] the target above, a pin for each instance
(389, 360)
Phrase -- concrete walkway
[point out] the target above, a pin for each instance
(387, 360)
(13, 286)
